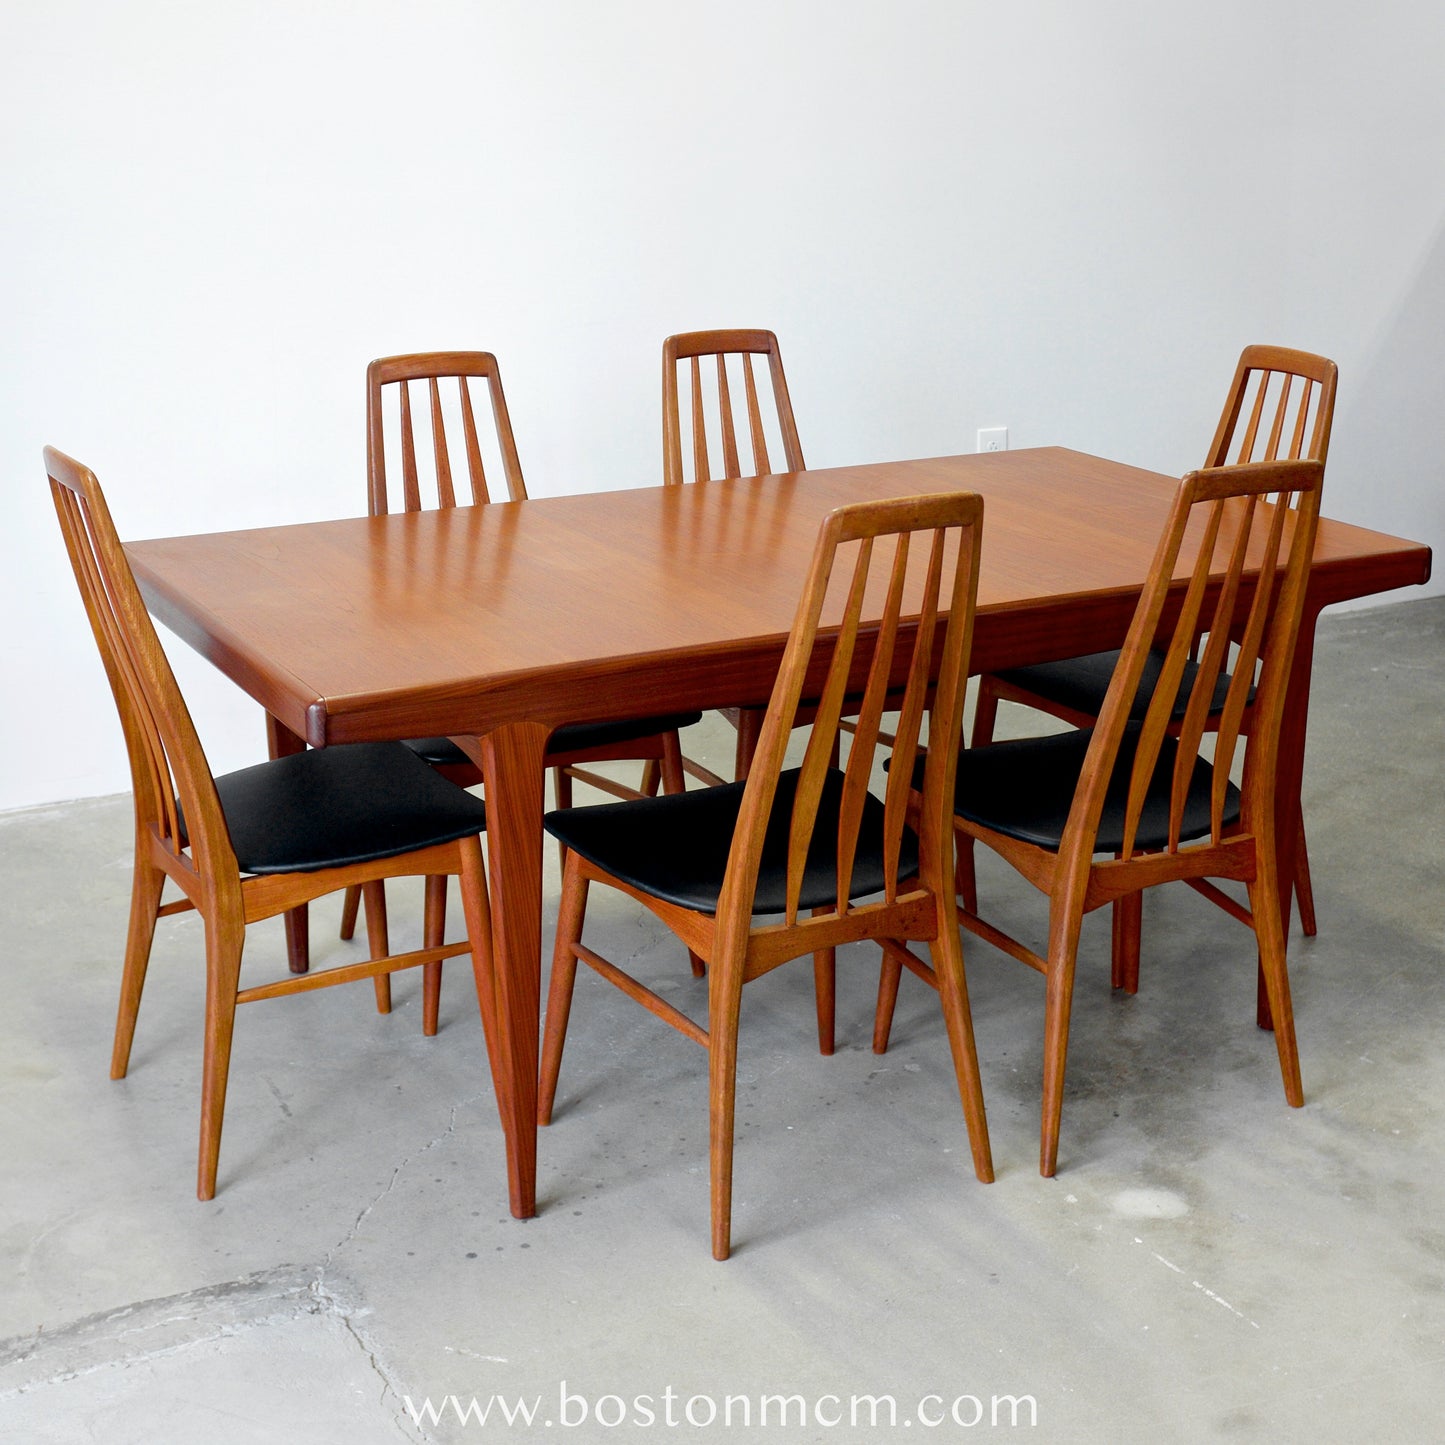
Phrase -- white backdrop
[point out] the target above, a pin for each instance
(1065, 219)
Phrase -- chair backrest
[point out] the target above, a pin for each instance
(444, 407)
(730, 351)
(1254, 528)
(1286, 402)
(902, 616)
(166, 759)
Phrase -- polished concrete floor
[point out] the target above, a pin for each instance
(1208, 1263)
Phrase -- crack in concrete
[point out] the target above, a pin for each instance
(396, 1174)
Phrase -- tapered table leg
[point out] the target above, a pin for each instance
(281, 742)
(511, 761)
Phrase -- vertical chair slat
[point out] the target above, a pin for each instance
(446, 497)
(858, 773)
(411, 493)
(910, 716)
(1231, 719)
(125, 683)
(818, 756)
(1210, 668)
(1276, 431)
(476, 473)
(761, 466)
(1166, 690)
(162, 787)
(1251, 430)
(699, 428)
(725, 419)
(1297, 441)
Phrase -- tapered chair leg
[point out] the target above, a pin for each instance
(350, 907)
(825, 993)
(1304, 893)
(1064, 924)
(145, 899)
(225, 937)
(965, 883)
(724, 1006)
(378, 938)
(888, 980)
(570, 914)
(958, 1019)
(1269, 930)
(434, 931)
(670, 769)
(1128, 924)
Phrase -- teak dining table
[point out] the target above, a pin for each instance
(495, 624)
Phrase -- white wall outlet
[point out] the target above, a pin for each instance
(993, 438)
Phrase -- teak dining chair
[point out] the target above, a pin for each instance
(713, 402)
(811, 845)
(1138, 789)
(391, 410)
(252, 844)
(1280, 408)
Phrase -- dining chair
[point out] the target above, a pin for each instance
(757, 872)
(439, 394)
(1099, 813)
(714, 395)
(1280, 407)
(252, 844)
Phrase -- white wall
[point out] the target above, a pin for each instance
(1062, 218)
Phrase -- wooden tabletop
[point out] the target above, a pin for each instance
(649, 600)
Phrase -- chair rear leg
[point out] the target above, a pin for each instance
(825, 993)
(1128, 924)
(145, 899)
(1304, 893)
(350, 907)
(571, 913)
(750, 728)
(434, 930)
(888, 978)
(985, 712)
(377, 938)
(225, 937)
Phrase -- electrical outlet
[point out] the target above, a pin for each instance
(993, 438)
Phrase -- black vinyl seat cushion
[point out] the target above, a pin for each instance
(569, 738)
(1024, 789)
(675, 847)
(1081, 682)
(331, 807)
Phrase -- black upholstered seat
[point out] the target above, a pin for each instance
(1080, 683)
(676, 847)
(333, 807)
(569, 738)
(1025, 788)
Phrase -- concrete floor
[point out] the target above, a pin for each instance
(1208, 1264)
